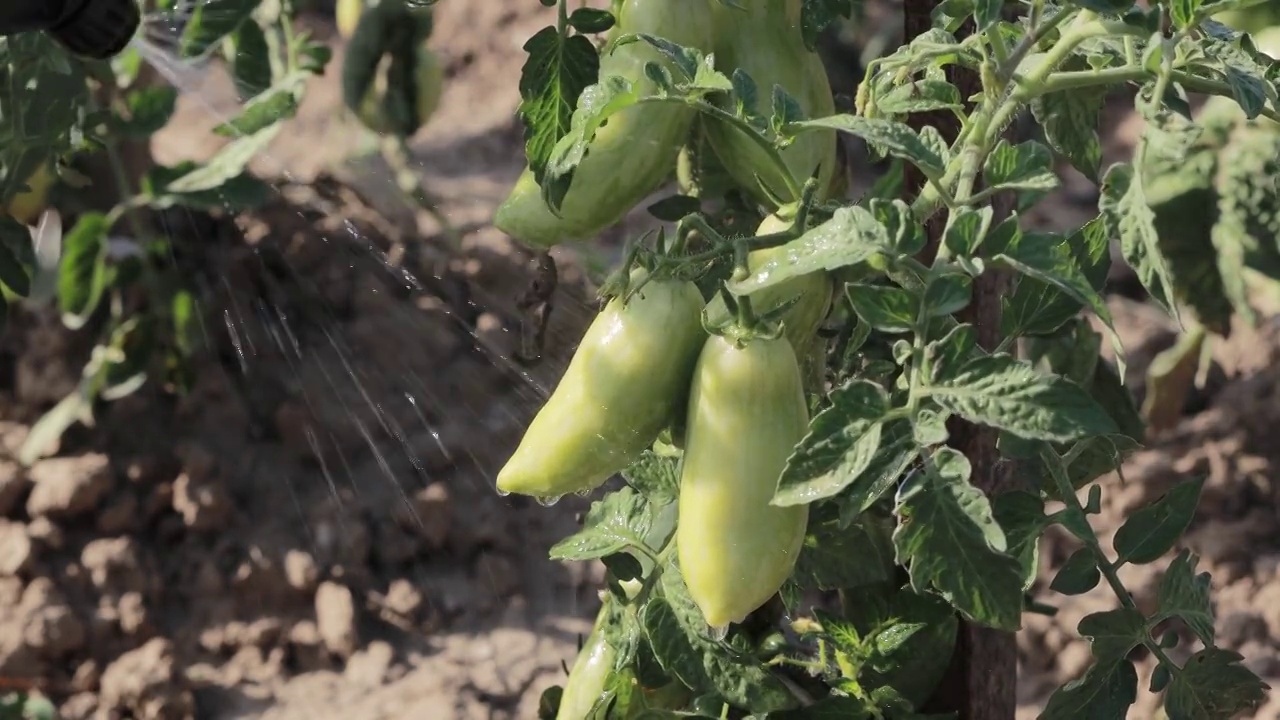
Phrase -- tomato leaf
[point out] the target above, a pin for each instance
(1069, 119)
(889, 309)
(840, 445)
(558, 69)
(620, 521)
(211, 21)
(897, 451)
(1152, 530)
(249, 56)
(851, 236)
(17, 256)
(1185, 595)
(1048, 259)
(925, 95)
(1213, 684)
(911, 638)
(655, 476)
(682, 643)
(1128, 216)
(818, 15)
(1011, 395)
(1050, 294)
(229, 162)
(591, 20)
(1021, 516)
(966, 229)
(894, 138)
(836, 556)
(1104, 692)
(82, 275)
(279, 103)
(950, 542)
(1025, 166)
(242, 192)
(1113, 633)
(1078, 575)
(149, 109)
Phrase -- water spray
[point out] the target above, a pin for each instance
(97, 29)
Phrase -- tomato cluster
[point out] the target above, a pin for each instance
(717, 374)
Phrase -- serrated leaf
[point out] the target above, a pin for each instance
(1040, 307)
(1183, 12)
(1070, 119)
(1010, 395)
(1213, 685)
(278, 104)
(1113, 633)
(149, 110)
(917, 96)
(620, 521)
(1105, 692)
(913, 638)
(654, 476)
(1129, 217)
(950, 542)
(1184, 594)
(897, 451)
(1078, 575)
(243, 192)
(947, 294)
(895, 138)
(1151, 531)
(889, 309)
(851, 236)
(836, 556)
(211, 21)
(555, 74)
(1050, 260)
(1021, 516)
(683, 646)
(250, 60)
(840, 445)
(817, 15)
(1026, 166)
(83, 270)
(228, 163)
(966, 229)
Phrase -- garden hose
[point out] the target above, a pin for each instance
(96, 29)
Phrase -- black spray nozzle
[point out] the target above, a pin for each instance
(97, 29)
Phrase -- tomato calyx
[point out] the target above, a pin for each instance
(743, 324)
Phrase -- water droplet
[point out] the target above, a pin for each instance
(503, 493)
(549, 501)
(719, 632)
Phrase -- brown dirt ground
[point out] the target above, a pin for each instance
(312, 531)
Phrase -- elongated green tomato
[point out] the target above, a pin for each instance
(747, 411)
(764, 40)
(625, 383)
(634, 152)
(799, 322)
(588, 675)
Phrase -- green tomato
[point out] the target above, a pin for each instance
(625, 383)
(747, 411)
(429, 74)
(764, 40)
(799, 322)
(588, 675)
(634, 152)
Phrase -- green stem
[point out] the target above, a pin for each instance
(1105, 566)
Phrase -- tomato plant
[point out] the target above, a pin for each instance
(822, 530)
